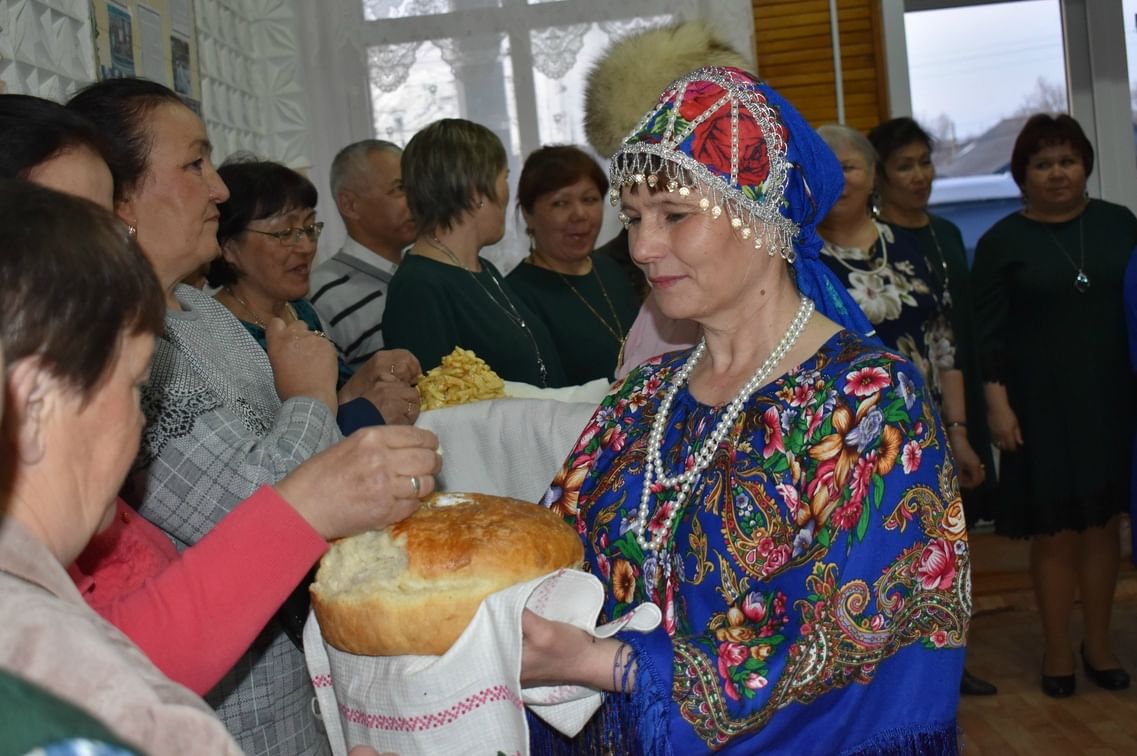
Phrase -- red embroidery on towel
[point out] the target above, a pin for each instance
(540, 597)
(432, 721)
(322, 681)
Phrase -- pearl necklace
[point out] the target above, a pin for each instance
(654, 481)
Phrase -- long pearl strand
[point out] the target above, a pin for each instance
(654, 479)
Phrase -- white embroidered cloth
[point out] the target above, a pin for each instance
(470, 700)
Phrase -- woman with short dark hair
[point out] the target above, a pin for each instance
(445, 295)
(898, 288)
(75, 362)
(1048, 300)
(585, 300)
(904, 175)
(53, 147)
(268, 232)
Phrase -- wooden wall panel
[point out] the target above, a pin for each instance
(795, 55)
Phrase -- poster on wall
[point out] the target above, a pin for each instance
(120, 34)
(180, 62)
(153, 49)
(151, 38)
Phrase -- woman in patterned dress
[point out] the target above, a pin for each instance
(888, 275)
(904, 173)
(782, 491)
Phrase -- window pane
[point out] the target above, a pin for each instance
(562, 58)
(1129, 13)
(376, 10)
(416, 83)
(976, 74)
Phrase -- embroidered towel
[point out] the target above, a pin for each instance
(470, 700)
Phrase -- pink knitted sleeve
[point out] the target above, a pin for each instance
(196, 613)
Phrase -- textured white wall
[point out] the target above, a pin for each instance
(252, 97)
(46, 47)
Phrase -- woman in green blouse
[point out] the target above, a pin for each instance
(444, 294)
(585, 299)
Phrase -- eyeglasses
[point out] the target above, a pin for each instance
(293, 236)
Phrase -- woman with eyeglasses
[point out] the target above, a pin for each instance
(268, 233)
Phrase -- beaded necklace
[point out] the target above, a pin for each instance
(839, 253)
(616, 328)
(288, 317)
(655, 482)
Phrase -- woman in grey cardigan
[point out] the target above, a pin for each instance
(223, 416)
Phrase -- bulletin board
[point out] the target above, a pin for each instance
(151, 39)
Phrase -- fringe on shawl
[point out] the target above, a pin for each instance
(932, 740)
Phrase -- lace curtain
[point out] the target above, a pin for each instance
(386, 68)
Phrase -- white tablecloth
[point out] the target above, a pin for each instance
(507, 447)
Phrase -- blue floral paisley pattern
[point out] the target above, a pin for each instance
(822, 549)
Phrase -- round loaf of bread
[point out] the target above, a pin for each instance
(413, 587)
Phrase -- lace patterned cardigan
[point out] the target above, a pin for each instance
(816, 590)
(216, 430)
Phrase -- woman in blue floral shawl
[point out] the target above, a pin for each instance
(782, 491)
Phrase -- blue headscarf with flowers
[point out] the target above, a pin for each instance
(747, 152)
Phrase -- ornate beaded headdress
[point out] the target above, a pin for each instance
(744, 151)
(713, 133)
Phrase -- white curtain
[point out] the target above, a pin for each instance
(386, 68)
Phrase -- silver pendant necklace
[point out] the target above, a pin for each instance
(508, 308)
(655, 482)
(1081, 280)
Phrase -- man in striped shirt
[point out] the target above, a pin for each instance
(349, 289)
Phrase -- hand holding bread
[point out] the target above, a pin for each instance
(368, 481)
(386, 381)
(303, 363)
(555, 653)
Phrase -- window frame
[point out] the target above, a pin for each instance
(1097, 81)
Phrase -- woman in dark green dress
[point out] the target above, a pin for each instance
(1048, 297)
(445, 294)
(585, 299)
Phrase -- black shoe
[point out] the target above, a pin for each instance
(1058, 686)
(970, 685)
(1110, 679)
